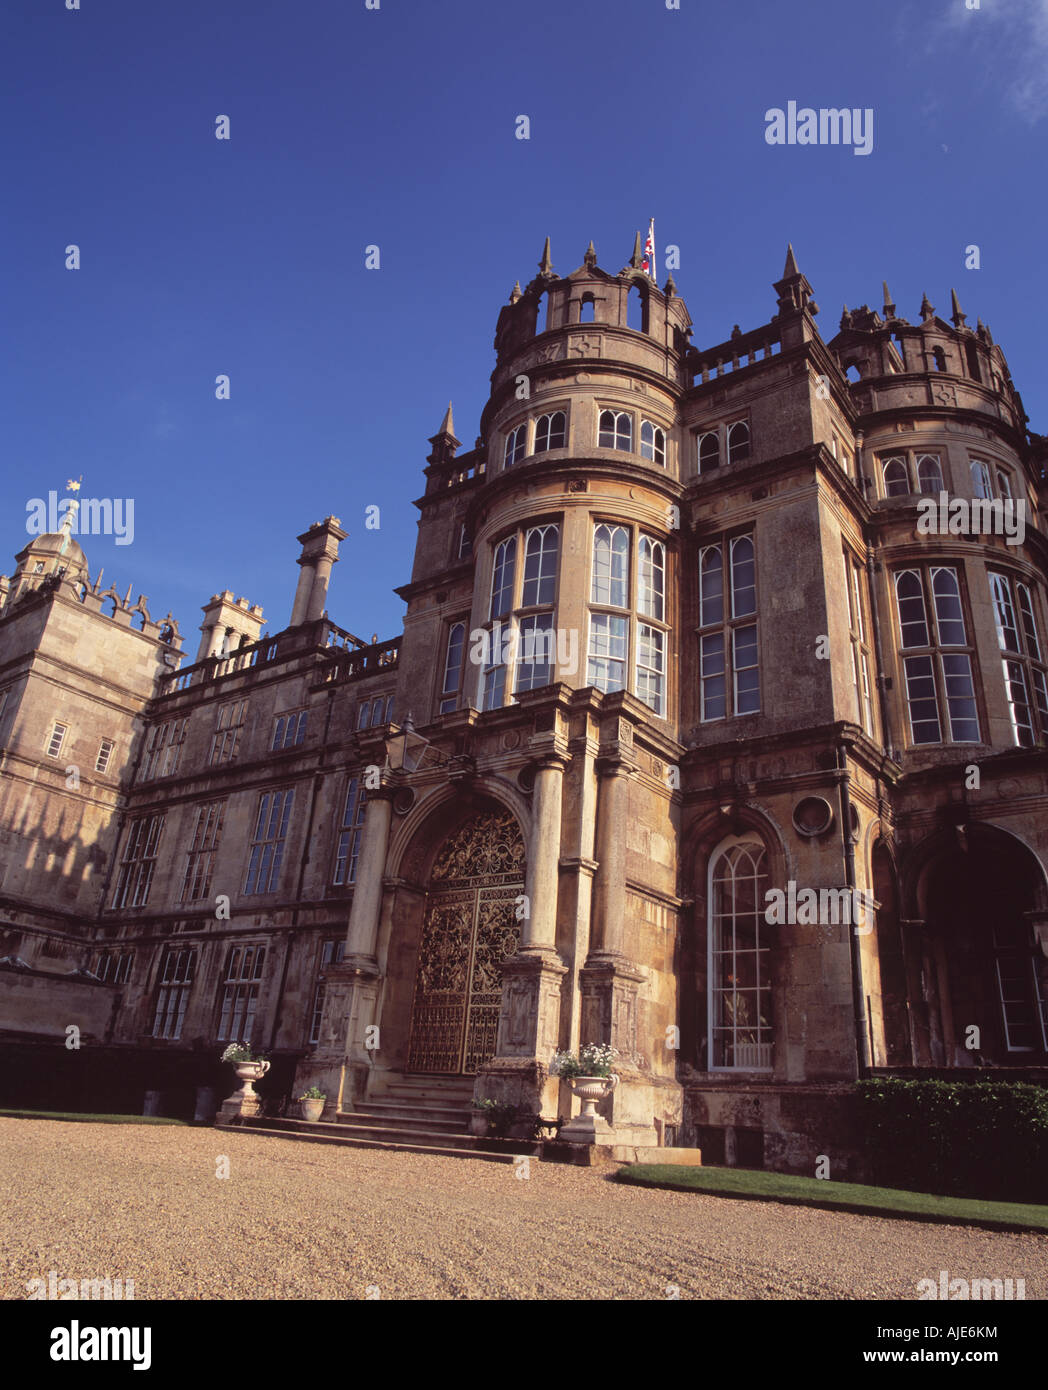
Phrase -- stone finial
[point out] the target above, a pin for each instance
(447, 425)
(590, 258)
(846, 318)
(927, 309)
(790, 268)
(515, 293)
(888, 307)
(637, 259)
(546, 265)
(959, 319)
(669, 289)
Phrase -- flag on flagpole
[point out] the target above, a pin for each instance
(648, 263)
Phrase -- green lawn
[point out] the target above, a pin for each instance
(93, 1119)
(838, 1196)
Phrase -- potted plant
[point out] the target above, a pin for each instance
(478, 1120)
(311, 1103)
(592, 1079)
(250, 1068)
(496, 1117)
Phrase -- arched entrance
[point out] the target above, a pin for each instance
(470, 927)
(979, 953)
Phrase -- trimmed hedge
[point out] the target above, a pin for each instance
(962, 1139)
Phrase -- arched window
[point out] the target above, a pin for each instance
(709, 451)
(896, 477)
(929, 474)
(502, 577)
(651, 595)
(587, 309)
(971, 352)
(1004, 484)
(738, 442)
(739, 959)
(550, 432)
(540, 566)
(980, 479)
(652, 442)
(939, 358)
(453, 668)
(616, 430)
(637, 310)
(516, 443)
(940, 693)
(611, 558)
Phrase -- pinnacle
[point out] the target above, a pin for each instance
(447, 425)
(590, 258)
(791, 263)
(638, 255)
(546, 265)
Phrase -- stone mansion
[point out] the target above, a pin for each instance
(679, 634)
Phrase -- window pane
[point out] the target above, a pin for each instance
(651, 663)
(607, 652)
(540, 566)
(960, 697)
(912, 621)
(711, 585)
(503, 577)
(610, 565)
(535, 652)
(920, 696)
(714, 687)
(929, 474)
(949, 618)
(652, 577)
(709, 452)
(743, 578)
(747, 682)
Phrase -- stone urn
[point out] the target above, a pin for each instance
(312, 1108)
(588, 1127)
(246, 1100)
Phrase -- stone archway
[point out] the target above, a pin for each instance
(470, 927)
(978, 953)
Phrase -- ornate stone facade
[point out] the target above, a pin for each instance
(719, 751)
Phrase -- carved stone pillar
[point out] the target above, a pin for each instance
(529, 1016)
(359, 972)
(540, 925)
(362, 932)
(610, 981)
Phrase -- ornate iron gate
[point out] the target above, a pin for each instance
(470, 928)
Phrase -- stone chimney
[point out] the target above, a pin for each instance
(228, 625)
(319, 552)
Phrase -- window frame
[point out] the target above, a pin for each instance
(266, 853)
(725, 631)
(935, 655)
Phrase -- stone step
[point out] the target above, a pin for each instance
(405, 1118)
(442, 1146)
(422, 1091)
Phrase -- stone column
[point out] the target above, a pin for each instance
(609, 889)
(359, 970)
(609, 981)
(529, 1018)
(540, 926)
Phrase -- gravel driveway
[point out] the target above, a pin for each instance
(298, 1220)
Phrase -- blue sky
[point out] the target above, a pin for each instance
(351, 127)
